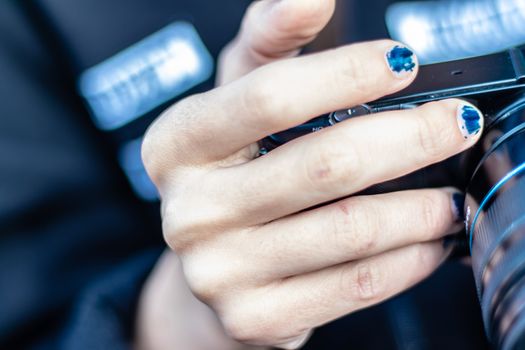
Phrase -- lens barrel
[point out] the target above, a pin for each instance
(495, 210)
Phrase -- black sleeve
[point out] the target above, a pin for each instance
(104, 314)
(75, 243)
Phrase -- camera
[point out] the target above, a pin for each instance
(492, 174)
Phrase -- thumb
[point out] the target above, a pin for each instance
(272, 30)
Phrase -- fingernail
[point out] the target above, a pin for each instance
(470, 120)
(458, 206)
(401, 61)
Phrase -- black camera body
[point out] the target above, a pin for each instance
(492, 175)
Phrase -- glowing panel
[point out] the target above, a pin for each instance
(447, 30)
(147, 74)
(131, 162)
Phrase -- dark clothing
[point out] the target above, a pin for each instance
(76, 244)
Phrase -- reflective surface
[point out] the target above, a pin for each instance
(142, 77)
(446, 30)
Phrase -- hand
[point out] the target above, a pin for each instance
(251, 245)
(168, 315)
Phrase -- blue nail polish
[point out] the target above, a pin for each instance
(469, 120)
(458, 199)
(400, 60)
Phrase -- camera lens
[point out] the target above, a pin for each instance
(495, 210)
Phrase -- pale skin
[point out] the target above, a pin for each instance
(250, 262)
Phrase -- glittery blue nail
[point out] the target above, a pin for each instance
(401, 60)
(469, 120)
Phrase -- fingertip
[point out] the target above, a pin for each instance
(458, 206)
(303, 14)
(277, 29)
(457, 203)
(450, 126)
(402, 61)
(470, 121)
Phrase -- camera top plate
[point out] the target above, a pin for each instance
(461, 78)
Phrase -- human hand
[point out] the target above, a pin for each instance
(168, 315)
(252, 245)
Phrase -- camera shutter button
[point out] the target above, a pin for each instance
(345, 114)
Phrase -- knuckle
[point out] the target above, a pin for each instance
(350, 70)
(172, 228)
(209, 277)
(190, 217)
(431, 215)
(169, 135)
(247, 326)
(152, 150)
(434, 132)
(249, 323)
(236, 330)
(176, 226)
(148, 150)
(430, 145)
(354, 228)
(182, 226)
(363, 283)
(259, 98)
(200, 283)
(328, 168)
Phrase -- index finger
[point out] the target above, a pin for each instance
(275, 97)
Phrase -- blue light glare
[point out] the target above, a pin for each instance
(452, 29)
(131, 162)
(147, 74)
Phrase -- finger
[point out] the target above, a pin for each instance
(340, 161)
(304, 302)
(214, 125)
(351, 229)
(272, 30)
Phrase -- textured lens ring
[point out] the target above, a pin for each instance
(513, 256)
(500, 255)
(509, 309)
(497, 231)
(515, 340)
(516, 132)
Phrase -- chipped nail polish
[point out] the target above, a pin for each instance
(401, 60)
(469, 120)
(458, 206)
